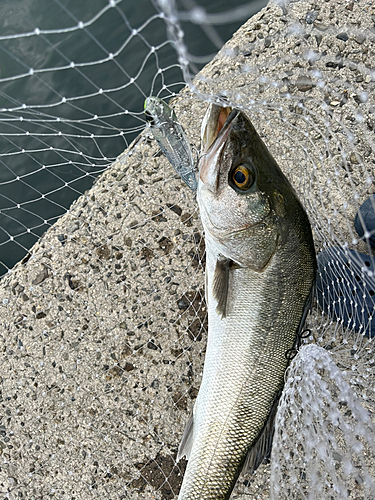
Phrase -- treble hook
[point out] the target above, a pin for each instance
(292, 353)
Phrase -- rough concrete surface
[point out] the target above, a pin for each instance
(103, 325)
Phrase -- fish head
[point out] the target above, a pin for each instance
(242, 193)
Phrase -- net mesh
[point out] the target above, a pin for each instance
(104, 320)
(321, 413)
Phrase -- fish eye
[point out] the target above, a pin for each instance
(242, 177)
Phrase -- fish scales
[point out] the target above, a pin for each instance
(266, 305)
(240, 368)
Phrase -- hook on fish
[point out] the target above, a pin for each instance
(292, 353)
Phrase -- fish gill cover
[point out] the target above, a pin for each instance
(103, 320)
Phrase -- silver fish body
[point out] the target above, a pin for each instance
(260, 272)
(171, 138)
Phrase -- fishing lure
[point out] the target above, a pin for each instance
(171, 139)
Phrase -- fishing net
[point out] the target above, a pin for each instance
(104, 318)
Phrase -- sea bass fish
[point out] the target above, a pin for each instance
(260, 273)
(171, 138)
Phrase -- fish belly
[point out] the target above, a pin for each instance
(242, 378)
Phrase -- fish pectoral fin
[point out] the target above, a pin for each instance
(186, 444)
(263, 445)
(220, 284)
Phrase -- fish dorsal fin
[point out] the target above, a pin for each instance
(186, 444)
(263, 445)
(220, 285)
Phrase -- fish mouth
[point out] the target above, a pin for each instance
(216, 127)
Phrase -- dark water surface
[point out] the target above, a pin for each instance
(77, 107)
